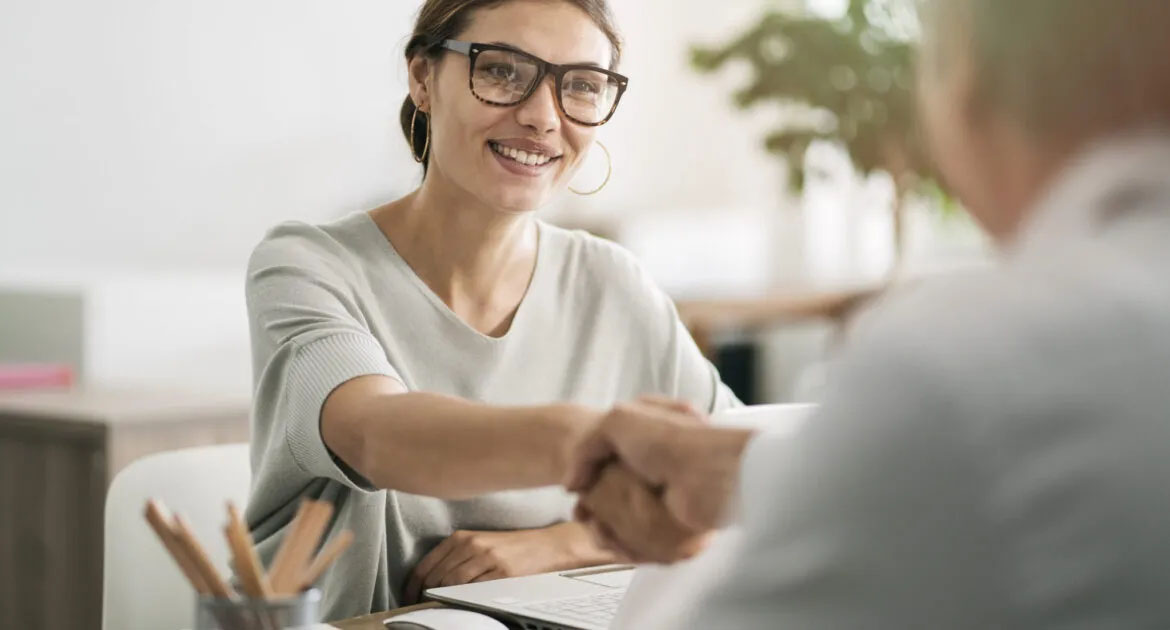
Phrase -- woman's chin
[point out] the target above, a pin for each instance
(519, 201)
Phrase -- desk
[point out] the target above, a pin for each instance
(59, 450)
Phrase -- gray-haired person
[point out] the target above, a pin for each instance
(994, 450)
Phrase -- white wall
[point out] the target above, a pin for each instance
(149, 144)
(171, 134)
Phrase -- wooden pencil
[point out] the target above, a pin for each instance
(160, 522)
(245, 559)
(307, 539)
(330, 553)
(281, 559)
(215, 582)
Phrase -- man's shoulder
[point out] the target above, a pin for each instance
(965, 316)
(1014, 333)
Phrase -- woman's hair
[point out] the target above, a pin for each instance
(1067, 71)
(439, 20)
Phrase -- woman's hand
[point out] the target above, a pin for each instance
(468, 556)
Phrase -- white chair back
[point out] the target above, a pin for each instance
(143, 588)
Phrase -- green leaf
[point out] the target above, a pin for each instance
(858, 69)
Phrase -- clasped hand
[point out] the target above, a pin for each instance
(655, 479)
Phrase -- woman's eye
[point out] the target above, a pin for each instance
(584, 87)
(500, 71)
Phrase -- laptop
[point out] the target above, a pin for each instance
(582, 599)
(590, 599)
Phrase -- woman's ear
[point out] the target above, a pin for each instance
(419, 69)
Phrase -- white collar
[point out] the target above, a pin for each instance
(1106, 174)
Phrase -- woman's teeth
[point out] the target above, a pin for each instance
(523, 157)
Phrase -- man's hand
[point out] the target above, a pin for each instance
(468, 556)
(628, 517)
(693, 467)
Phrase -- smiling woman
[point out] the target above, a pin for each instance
(452, 79)
(426, 364)
(438, 22)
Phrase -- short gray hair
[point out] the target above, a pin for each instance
(1065, 70)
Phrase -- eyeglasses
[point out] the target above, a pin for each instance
(504, 76)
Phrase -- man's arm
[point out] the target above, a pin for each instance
(867, 518)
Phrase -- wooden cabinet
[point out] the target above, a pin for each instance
(59, 450)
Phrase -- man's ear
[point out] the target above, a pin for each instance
(420, 75)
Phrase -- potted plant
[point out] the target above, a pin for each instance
(847, 80)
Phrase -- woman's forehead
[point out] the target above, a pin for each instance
(554, 31)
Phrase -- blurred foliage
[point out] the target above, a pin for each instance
(848, 80)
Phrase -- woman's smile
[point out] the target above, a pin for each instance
(526, 158)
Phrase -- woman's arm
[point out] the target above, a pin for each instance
(445, 447)
(468, 556)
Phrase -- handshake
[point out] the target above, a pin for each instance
(655, 479)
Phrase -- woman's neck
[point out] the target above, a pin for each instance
(475, 258)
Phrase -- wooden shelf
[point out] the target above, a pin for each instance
(706, 318)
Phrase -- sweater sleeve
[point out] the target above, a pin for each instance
(309, 336)
(693, 376)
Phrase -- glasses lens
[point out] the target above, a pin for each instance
(503, 77)
(588, 96)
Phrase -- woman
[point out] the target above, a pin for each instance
(448, 346)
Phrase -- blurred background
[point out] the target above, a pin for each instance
(148, 146)
(762, 172)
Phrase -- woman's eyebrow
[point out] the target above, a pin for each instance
(519, 49)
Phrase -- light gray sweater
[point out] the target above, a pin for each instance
(333, 302)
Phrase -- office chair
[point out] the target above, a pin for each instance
(142, 586)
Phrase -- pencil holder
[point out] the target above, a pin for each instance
(212, 613)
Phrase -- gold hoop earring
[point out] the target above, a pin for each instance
(608, 174)
(427, 145)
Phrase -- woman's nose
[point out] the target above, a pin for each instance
(540, 112)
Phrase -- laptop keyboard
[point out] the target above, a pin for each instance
(598, 609)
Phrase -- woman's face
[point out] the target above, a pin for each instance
(468, 136)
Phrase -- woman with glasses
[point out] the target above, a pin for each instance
(424, 365)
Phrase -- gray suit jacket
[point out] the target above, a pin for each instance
(994, 450)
